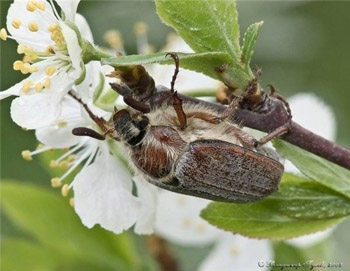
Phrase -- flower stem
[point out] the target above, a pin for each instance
(161, 252)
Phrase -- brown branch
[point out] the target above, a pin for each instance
(160, 251)
(269, 118)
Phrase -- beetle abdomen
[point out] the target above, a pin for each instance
(223, 171)
(156, 155)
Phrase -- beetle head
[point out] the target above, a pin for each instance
(129, 129)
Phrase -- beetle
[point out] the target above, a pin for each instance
(191, 149)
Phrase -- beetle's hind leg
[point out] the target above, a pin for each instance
(177, 102)
(283, 129)
(214, 119)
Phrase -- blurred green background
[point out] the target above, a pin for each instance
(302, 47)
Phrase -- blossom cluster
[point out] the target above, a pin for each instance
(53, 49)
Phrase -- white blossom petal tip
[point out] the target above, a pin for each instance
(101, 196)
(35, 111)
(178, 219)
(241, 252)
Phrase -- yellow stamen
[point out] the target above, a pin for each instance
(140, 28)
(38, 87)
(26, 155)
(33, 69)
(53, 27)
(17, 65)
(3, 34)
(16, 23)
(25, 68)
(53, 164)
(50, 50)
(56, 182)
(71, 202)
(181, 200)
(40, 146)
(201, 227)
(50, 70)
(26, 86)
(41, 6)
(64, 165)
(27, 59)
(114, 39)
(32, 5)
(71, 158)
(62, 123)
(186, 222)
(65, 190)
(234, 251)
(47, 83)
(33, 26)
(21, 48)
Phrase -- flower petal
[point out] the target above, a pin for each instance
(308, 110)
(40, 39)
(238, 252)
(101, 197)
(35, 111)
(84, 27)
(69, 7)
(147, 194)
(59, 133)
(178, 219)
(12, 91)
(74, 50)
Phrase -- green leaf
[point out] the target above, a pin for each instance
(249, 41)
(99, 88)
(286, 253)
(107, 100)
(316, 168)
(54, 224)
(207, 25)
(283, 215)
(19, 255)
(305, 199)
(206, 63)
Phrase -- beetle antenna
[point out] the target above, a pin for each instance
(177, 65)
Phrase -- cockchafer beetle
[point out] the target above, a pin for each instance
(190, 149)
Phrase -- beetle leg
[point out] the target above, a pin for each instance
(181, 116)
(244, 138)
(282, 99)
(275, 133)
(213, 118)
(99, 121)
(177, 102)
(139, 106)
(283, 129)
(121, 88)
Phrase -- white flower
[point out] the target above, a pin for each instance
(178, 220)
(103, 187)
(311, 112)
(52, 57)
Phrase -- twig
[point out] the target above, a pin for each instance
(161, 253)
(268, 119)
